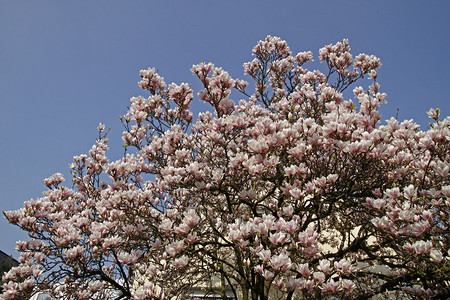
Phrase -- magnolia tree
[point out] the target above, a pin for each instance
(293, 192)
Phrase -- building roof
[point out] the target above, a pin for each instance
(4, 257)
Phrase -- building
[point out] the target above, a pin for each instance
(6, 263)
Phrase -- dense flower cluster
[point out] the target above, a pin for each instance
(293, 192)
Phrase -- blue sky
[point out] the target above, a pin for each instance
(68, 65)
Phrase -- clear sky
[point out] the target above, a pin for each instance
(68, 65)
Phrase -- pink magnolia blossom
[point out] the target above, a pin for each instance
(436, 255)
(304, 269)
(319, 277)
(281, 262)
(264, 255)
(331, 286)
(324, 266)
